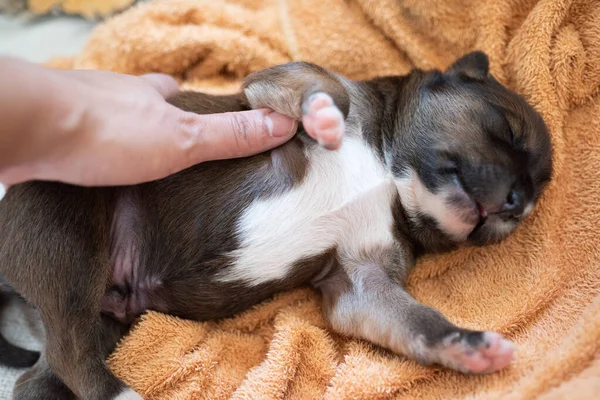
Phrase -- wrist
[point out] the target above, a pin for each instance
(18, 118)
(61, 119)
(40, 118)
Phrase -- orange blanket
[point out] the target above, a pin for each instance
(541, 287)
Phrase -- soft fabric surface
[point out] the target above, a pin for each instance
(540, 287)
(91, 9)
(87, 8)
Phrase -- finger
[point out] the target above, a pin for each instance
(232, 135)
(164, 84)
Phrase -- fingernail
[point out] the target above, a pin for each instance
(280, 125)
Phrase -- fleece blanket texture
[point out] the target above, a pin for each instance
(540, 287)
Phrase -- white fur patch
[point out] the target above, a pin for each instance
(502, 229)
(528, 209)
(129, 394)
(417, 199)
(344, 201)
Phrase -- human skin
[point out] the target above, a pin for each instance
(97, 128)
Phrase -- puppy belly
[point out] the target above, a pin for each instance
(187, 290)
(339, 200)
(129, 291)
(342, 207)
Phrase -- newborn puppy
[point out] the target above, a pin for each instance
(428, 161)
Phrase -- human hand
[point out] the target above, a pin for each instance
(96, 128)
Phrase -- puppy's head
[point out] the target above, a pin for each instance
(473, 156)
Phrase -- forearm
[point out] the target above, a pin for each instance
(32, 113)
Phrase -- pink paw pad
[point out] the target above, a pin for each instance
(323, 121)
(478, 353)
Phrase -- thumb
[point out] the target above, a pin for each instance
(237, 134)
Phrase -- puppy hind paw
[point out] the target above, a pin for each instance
(323, 121)
(475, 352)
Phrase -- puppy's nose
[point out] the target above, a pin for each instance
(514, 205)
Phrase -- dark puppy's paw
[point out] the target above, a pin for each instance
(323, 120)
(475, 352)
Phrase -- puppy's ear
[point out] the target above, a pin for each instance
(474, 65)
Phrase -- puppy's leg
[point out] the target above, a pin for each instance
(306, 92)
(63, 272)
(75, 353)
(361, 299)
(40, 382)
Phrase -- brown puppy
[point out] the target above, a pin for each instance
(429, 161)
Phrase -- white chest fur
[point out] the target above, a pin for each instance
(344, 201)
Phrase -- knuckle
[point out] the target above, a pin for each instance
(246, 129)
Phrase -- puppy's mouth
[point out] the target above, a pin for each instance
(479, 214)
(483, 214)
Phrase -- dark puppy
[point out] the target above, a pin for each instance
(429, 161)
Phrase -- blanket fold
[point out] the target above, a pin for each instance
(541, 287)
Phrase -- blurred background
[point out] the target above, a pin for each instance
(38, 30)
(43, 38)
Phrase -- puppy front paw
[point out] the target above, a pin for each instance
(475, 352)
(323, 121)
